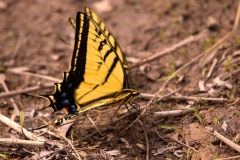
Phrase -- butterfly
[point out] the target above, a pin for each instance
(98, 75)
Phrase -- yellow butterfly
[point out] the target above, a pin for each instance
(98, 72)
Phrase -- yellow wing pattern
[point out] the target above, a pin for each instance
(106, 31)
(98, 72)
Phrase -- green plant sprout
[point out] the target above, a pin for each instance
(168, 156)
(170, 128)
(196, 113)
(4, 156)
(188, 153)
(204, 72)
(185, 54)
(172, 67)
(162, 35)
(162, 104)
(232, 94)
(238, 42)
(22, 118)
(228, 65)
(183, 3)
(215, 156)
(199, 118)
(2, 69)
(169, 71)
(75, 135)
(174, 12)
(226, 8)
(209, 42)
(10, 34)
(20, 105)
(201, 102)
(237, 140)
(217, 120)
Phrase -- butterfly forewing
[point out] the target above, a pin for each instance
(104, 72)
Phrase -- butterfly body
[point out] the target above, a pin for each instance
(98, 72)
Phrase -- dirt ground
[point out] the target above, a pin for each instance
(198, 104)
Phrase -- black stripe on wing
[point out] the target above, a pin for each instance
(80, 47)
(111, 69)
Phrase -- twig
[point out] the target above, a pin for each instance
(146, 95)
(91, 134)
(185, 144)
(20, 70)
(20, 129)
(167, 95)
(21, 142)
(2, 78)
(199, 98)
(228, 76)
(226, 141)
(52, 154)
(212, 67)
(237, 18)
(46, 130)
(27, 90)
(223, 57)
(93, 123)
(171, 49)
(173, 113)
(146, 137)
(159, 135)
(234, 157)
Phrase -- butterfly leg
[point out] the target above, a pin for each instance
(130, 117)
(135, 106)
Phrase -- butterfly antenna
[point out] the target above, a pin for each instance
(41, 127)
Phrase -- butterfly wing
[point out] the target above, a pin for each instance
(101, 72)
